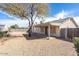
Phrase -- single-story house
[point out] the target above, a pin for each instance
(3, 27)
(55, 28)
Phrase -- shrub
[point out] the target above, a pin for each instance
(2, 34)
(76, 43)
(14, 26)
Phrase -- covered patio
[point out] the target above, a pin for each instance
(48, 29)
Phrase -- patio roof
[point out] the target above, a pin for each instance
(43, 24)
(47, 24)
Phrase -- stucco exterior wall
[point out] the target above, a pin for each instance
(40, 30)
(68, 24)
(55, 31)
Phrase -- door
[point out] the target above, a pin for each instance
(46, 30)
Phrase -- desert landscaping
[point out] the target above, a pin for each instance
(18, 45)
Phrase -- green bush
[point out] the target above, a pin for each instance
(2, 34)
(14, 26)
(76, 43)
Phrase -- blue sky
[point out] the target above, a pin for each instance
(4, 16)
(55, 8)
(55, 11)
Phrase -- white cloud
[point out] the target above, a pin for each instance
(3, 12)
(59, 15)
(14, 20)
(21, 23)
(50, 19)
(62, 14)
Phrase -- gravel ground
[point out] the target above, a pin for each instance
(20, 46)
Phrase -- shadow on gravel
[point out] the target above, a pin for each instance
(34, 36)
(41, 36)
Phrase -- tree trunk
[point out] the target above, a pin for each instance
(30, 32)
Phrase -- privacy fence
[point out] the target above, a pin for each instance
(70, 32)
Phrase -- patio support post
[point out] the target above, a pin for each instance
(65, 33)
(48, 31)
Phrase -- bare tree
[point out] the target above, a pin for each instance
(29, 11)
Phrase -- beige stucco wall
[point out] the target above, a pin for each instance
(68, 24)
(40, 30)
(55, 31)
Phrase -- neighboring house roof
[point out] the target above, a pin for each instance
(58, 22)
(2, 25)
